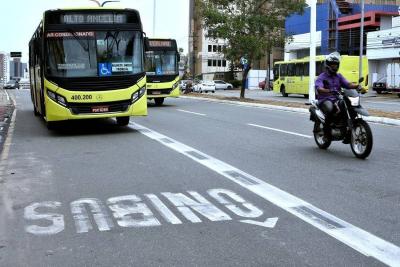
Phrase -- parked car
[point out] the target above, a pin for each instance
(12, 84)
(380, 85)
(204, 86)
(222, 85)
(261, 85)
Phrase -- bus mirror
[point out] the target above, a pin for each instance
(179, 57)
(361, 80)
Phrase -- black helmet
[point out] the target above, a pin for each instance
(332, 62)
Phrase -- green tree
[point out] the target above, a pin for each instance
(251, 28)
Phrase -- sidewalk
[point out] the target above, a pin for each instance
(6, 110)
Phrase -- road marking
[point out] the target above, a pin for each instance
(279, 130)
(131, 211)
(351, 235)
(268, 223)
(191, 112)
(8, 97)
(386, 103)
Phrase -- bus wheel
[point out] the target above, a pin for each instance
(159, 101)
(122, 121)
(283, 91)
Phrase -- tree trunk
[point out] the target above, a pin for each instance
(266, 88)
(242, 90)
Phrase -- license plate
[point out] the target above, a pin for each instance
(100, 109)
(156, 92)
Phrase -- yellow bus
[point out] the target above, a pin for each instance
(162, 70)
(88, 63)
(292, 77)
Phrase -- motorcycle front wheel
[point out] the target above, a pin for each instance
(322, 141)
(361, 139)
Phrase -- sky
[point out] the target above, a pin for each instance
(20, 18)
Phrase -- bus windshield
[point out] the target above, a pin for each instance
(93, 53)
(161, 63)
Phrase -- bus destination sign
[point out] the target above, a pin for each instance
(160, 43)
(103, 18)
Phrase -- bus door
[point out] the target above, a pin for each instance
(291, 78)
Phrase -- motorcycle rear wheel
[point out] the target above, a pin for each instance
(361, 139)
(322, 141)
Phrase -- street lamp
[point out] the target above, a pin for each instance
(313, 33)
(154, 18)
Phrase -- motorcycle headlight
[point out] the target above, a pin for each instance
(355, 101)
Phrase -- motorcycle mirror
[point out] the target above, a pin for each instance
(361, 80)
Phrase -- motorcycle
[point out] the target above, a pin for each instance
(347, 125)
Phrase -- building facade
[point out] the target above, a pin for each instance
(4, 68)
(17, 69)
(383, 53)
(338, 26)
(206, 58)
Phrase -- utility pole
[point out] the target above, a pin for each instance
(313, 41)
(154, 18)
(360, 74)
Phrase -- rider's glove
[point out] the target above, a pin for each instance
(361, 89)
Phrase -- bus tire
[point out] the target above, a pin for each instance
(283, 91)
(159, 101)
(35, 111)
(123, 121)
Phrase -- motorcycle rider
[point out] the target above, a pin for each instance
(328, 86)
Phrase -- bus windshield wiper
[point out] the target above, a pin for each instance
(77, 38)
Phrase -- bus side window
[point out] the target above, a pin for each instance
(299, 69)
(276, 72)
(306, 69)
(283, 70)
(291, 69)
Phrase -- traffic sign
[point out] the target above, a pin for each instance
(15, 54)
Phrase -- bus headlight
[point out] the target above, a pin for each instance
(355, 101)
(175, 85)
(57, 98)
(138, 94)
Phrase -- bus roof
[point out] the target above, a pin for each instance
(307, 59)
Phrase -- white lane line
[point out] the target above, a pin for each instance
(191, 112)
(8, 97)
(279, 130)
(383, 103)
(356, 238)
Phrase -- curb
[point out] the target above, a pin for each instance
(381, 120)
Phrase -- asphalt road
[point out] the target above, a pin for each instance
(195, 183)
(371, 100)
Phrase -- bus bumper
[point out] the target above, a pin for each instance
(174, 93)
(57, 112)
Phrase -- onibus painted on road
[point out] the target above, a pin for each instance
(162, 70)
(292, 77)
(88, 63)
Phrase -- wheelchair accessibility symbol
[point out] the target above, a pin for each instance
(104, 69)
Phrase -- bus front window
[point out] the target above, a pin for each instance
(161, 63)
(93, 54)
